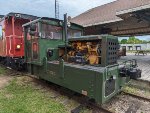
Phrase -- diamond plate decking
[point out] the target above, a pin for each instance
(143, 63)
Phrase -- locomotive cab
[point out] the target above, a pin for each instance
(84, 64)
(43, 36)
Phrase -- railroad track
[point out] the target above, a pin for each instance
(86, 103)
(89, 104)
(95, 108)
(99, 108)
(144, 81)
(137, 96)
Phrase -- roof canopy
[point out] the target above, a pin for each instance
(137, 21)
(121, 17)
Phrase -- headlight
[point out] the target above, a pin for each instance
(18, 46)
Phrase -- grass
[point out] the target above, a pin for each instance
(27, 95)
(2, 70)
(20, 97)
(138, 91)
(131, 90)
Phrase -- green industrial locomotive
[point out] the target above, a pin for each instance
(58, 53)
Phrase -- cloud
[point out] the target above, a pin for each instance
(76, 7)
(46, 7)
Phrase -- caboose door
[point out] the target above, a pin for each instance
(32, 48)
(32, 51)
(28, 49)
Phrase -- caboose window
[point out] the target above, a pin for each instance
(51, 32)
(1, 32)
(74, 33)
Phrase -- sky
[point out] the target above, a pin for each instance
(46, 8)
(147, 37)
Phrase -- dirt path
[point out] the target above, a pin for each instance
(4, 80)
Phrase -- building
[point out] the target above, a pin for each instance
(121, 17)
(1, 16)
(131, 47)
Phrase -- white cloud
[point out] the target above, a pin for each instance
(76, 7)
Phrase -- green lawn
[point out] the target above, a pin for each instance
(26, 95)
(20, 97)
(2, 70)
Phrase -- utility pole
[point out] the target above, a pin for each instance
(56, 9)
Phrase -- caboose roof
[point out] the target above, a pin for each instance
(20, 15)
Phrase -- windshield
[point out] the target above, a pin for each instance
(51, 32)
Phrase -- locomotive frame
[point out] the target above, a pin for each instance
(98, 82)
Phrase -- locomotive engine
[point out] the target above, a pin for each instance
(93, 50)
(85, 52)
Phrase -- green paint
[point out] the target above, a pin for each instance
(87, 80)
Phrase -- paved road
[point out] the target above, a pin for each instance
(143, 63)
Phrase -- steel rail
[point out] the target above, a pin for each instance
(137, 96)
(92, 105)
(98, 107)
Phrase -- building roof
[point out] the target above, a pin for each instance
(107, 13)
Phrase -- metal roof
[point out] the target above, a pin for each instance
(107, 13)
(136, 9)
(49, 19)
(42, 18)
(20, 15)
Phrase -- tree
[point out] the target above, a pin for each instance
(124, 41)
(133, 40)
(144, 41)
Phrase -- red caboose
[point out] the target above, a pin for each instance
(12, 39)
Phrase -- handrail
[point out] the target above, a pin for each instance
(132, 62)
(16, 36)
(9, 38)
